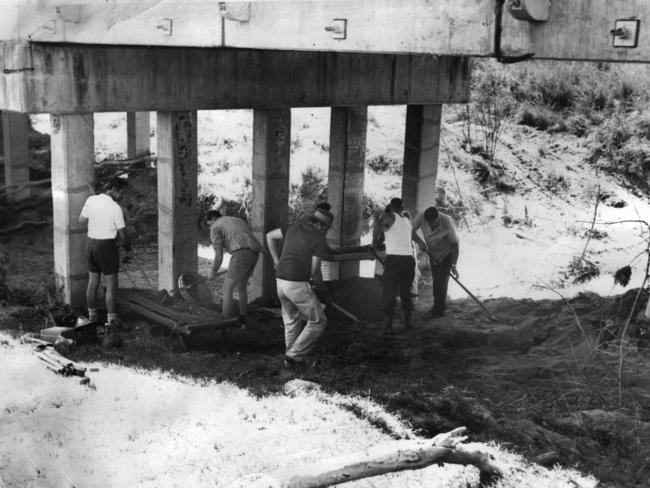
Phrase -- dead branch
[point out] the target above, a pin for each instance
(125, 162)
(593, 224)
(388, 458)
(14, 187)
(9, 230)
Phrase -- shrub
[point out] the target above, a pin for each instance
(384, 164)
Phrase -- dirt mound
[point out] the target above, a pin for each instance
(360, 296)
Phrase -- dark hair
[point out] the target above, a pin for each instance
(323, 206)
(213, 215)
(114, 183)
(431, 214)
(396, 204)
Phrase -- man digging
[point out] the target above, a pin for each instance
(105, 220)
(441, 244)
(233, 235)
(303, 247)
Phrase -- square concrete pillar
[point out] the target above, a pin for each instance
(348, 126)
(73, 159)
(270, 206)
(421, 148)
(15, 135)
(138, 134)
(178, 207)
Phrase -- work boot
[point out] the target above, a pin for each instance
(388, 326)
(112, 337)
(407, 319)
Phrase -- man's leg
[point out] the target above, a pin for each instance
(290, 313)
(91, 294)
(227, 300)
(305, 300)
(111, 295)
(440, 276)
(407, 273)
(250, 260)
(390, 290)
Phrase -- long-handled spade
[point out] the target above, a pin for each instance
(436, 262)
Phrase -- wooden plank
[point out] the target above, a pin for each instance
(83, 79)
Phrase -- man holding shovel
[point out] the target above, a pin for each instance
(441, 244)
(233, 235)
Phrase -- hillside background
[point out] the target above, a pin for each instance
(544, 151)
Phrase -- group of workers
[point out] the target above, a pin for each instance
(297, 251)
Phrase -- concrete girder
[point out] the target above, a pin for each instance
(73, 156)
(421, 149)
(345, 183)
(138, 134)
(83, 79)
(15, 134)
(178, 207)
(270, 199)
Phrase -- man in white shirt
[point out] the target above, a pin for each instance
(399, 266)
(105, 221)
(441, 245)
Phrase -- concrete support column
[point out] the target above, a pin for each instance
(178, 208)
(137, 134)
(15, 128)
(73, 157)
(421, 146)
(348, 127)
(270, 206)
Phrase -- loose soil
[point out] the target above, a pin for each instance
(540, 378)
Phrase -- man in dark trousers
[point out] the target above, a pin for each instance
(105, 220)
(399, 266)
(303, 247)
(441, 244)
(233, 235)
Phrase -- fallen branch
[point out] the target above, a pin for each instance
(14, 187)
(125, 162)
(388, 458)
(14, 228)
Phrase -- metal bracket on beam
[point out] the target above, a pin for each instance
(238, 11)
(165, 25)
(530, 10)
(338, 28)
(626, 32)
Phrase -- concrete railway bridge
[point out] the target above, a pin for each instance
(72, 59)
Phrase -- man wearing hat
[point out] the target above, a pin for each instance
(303, 247)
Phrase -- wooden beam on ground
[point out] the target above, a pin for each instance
(178, 208)
(347, 157)
(270, 205)
(421, 148)
(73, 154)
(15, 128)
(103, 79)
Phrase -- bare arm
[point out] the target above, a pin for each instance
(83, 220)
(273, 238)
(316, 274)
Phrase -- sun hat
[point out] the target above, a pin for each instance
(323, 216)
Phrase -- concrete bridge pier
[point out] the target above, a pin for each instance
(178, 208)
(15, 127)
(345, 187)
(137, 134)
(270, 202)
(421, 148)
(73, 157)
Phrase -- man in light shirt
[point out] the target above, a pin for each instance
(441, 244)
(105, 220)
(233, 235)
(399, 266)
